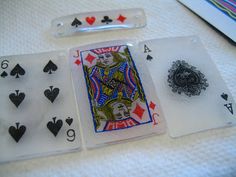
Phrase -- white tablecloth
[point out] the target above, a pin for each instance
(24, 28)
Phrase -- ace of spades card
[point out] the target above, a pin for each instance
(192, 93)
(37, 106)
(114, 93)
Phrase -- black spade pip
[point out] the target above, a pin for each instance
(49, 67)
(54, 126)
(4, 74)
(17, 132)
(76, 22)
(149, 57)
(17, 71)
(17, 98)
(69, 121)
(51, 93)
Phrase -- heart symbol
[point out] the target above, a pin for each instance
(17, 132)
(51, 93)
(90, 20)
(69, 121)
(17, 98)
(54, 126)
(224, 96)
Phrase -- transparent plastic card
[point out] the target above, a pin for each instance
(193, 95)
(98, 21)
(114, 93)
(37, 107)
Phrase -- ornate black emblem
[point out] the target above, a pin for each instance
(185, 78)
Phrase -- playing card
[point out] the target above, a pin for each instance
(37, 106)
(219, 13)
(114, 93)
(192, 93)
(98, 21)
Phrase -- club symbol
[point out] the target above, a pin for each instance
(149, 57)
(76, 23)
(4, 74)
(49, 67)
(69, 121)
(17, 71)
(54, 126)
(17, 132)
(106, 20)
(51, 93)
(17, 98)
(224, 96)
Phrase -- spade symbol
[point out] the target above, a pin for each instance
(17, 98)
(69, 121)
(149, 57)
(50, 66)
(17, 132)
(17, 71)
(224, 96)
(106, 20)
(4, 74)
(54, 126)
(76, 23)
(51, 93)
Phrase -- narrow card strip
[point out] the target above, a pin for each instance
(98, 21)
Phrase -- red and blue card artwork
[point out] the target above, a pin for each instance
(116, 95)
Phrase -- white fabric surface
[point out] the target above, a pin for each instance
(24, 28)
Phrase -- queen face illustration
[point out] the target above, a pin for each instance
(106, 59)
(120, 110)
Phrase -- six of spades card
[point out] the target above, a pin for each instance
(38, 110)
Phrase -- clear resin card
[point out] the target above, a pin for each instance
(37, 106)
(192, 93)
(115, 94)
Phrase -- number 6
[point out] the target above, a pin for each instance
(4, 64)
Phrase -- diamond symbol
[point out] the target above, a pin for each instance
(152, 105)
(121, 18)
(90, 58)
(77, 62)
(139, 111)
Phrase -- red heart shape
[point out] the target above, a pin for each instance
(90, 20)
